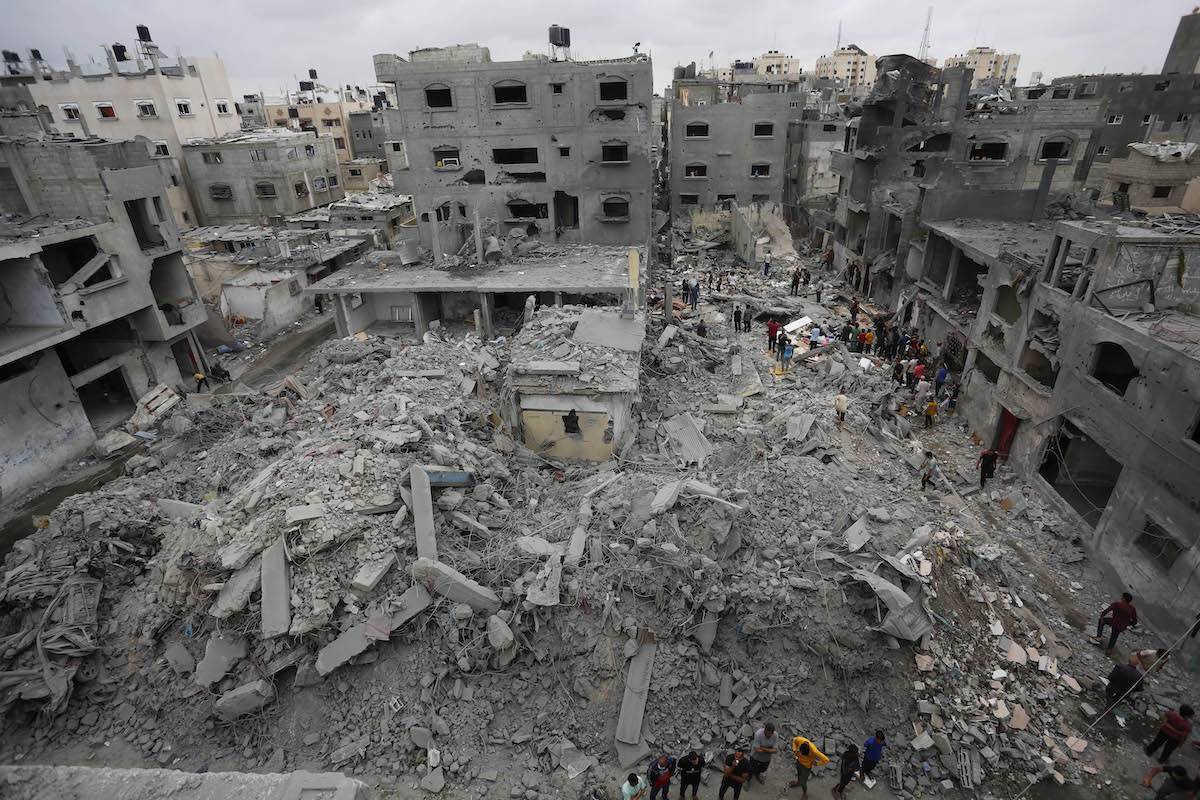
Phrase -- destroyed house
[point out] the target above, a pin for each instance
(729, 139)
(1082, 366)
(1159, 177)
(96, 303)
(926, 148)
(553, 148)
(387, 219)
(396, 293)
(573, 381)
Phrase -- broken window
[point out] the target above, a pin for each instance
(566, 210)
(301, 188)
(1161, 192)
(333, 181)
(556, 88)
(617, 153)
(695, 130)
(144, 228)
(937, 143)
(987, 368)
(1080, 471)
(760, 170)
(508, 92)
(161, 149)
(319, 184)
(515, 155)
(760, 198)
(264, 189)
(829, 128)
(310, 150)
(70, 111)
(1086, 89)
(571, 423)
(446, 157)
(65, 259)
(723, 200)
(695, 171)
(1007, 305)
(918, 168)
(764, 129)
(1116, 119)
(689, 199)
(145, 109)
(258, 154)
(1162, 86)
(1102, 150)
(564, 151)
(443, 212)
(220, 191)
(222, 106)
(1062, 93)
(1156, 542)
(523, 209)
(339, 143)
(211, 158)
(438, 96)
(614, 90)
(1053, 149)
(1146, 118)
(1035, 93)
(608, 115)
(1114, 367)
(1184, 118)
(615, 208)
(989, 151)
(474, 176)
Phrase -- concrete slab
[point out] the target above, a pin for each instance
(298, 514)
(370, 574)
(178, 509)
(235, 594)
(422, 507)
(245, 699)
(220, 654)
(637, 689)
(610, 329)
(453, 585)
(550, 368)
(276, 591)
(106, 783)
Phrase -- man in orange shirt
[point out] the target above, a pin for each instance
(807, 756)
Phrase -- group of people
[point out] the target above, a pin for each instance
(744, 765)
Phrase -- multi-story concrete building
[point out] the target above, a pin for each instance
(384, 219)
(1067, 376)
(136, 91)
(1156, 177)
(849, 64)
(728, 139)
(1183, 56)
(252, 111)
(925, 148)
(366, 129)
(776, 64)
(261, 176)
(358, 174)
(990, 67)
(96, 306)
(553, 148)
(322, 110)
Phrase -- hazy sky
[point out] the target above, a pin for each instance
(267, 43)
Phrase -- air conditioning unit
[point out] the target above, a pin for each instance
(449, 162)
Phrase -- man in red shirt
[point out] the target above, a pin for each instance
(1176, 727)
(772, 333)
(1118, 616)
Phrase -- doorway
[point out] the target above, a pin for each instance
(107, 401)
(1006, 431)
(1080, 471)
(185, 358)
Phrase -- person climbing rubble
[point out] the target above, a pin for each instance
(736, 772)
(1118, 616)
(848, 766)
(1176, 785)
(765, 745)
(928, 469)
(1174, 731)
(807, 757)
(1123, 679)
(872, 755)
(658, 775)
(986, 463)
(795, 282)
(841, 404)
(931, 411)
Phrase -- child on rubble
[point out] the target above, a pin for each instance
(931, 410)
(928, 469)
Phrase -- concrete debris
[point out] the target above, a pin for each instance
(370, 574)
(236, 591)
(297, 514)
(276, 591)
(500, 636)
(637, 688)
(422, 506)
(453, 585)
(220, 654)
(245, 699)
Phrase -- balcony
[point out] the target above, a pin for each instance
(177, 307)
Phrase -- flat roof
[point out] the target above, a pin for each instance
(256, 136)
(548, 357)
(376, 201)
(39, 230)
(982, 239)
(577, 269)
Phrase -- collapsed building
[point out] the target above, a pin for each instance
(1154, 177)
(97, 304)
(388, 220)
(548, 146)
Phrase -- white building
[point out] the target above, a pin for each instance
(137, 91)
(850, 64)
(988, 65)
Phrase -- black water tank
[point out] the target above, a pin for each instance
(119, 52)
(559, 36)
(143, 34)
(35, 54)
(10, 56)
(312, 74)
(306, 86)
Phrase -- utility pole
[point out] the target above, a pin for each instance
(839, 39)
(924, 51)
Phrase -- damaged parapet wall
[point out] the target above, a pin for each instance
(556, 147)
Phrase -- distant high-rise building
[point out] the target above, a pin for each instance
(989, 65)
(850, 64)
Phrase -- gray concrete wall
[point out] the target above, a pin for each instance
(570, 117)
(282, 169)
(1183, 56)
(731, 148)
(366, 134)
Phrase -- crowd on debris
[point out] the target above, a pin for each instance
(370, 537)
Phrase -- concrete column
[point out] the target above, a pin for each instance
(486, 299)
(420, 318)
(478, 239)
(341, 315)
(558, 300)
(951, 273)
(435, 236)
(1043, 192)
(1064, 248)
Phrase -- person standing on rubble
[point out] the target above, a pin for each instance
(807, 756)
(783, 345)
(690, 768)
(634, 788)
(872, 754)
(765, 745)
(766, 267)
(702, 329)
(820, 288)
(658, 774)
(928, 469)
(1118, 616)
(201, 380)
(841, 404)
(931, 410)
(796, 281)
(902, 346)
(854, 309)
(736, 773)
(737, 318)
(772, 334)
(987, 458)
(1176, 728)
(695, 296)
(848, 768)
(939, 380)
(746, 319)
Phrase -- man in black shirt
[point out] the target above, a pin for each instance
(690, 767)
(737, 772)
(987, 465)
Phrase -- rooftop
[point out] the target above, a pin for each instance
(375, 201)
(256, 136)
(577, 350)
(984, 239)
(269, 248)
(576, 269)
(44, 229)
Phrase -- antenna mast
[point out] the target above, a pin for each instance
(924, 52)
(839, 39)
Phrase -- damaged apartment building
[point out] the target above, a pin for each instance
(1081, 361)
(136, 90)
(545, 146)
(96, 305)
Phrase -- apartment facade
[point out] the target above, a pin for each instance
(1157, 177)
(849, 64)
(320, 110)
(137, 91)
(728, 140)
(990, 67)
(97, 304)
(262, 176)
(551, 148)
